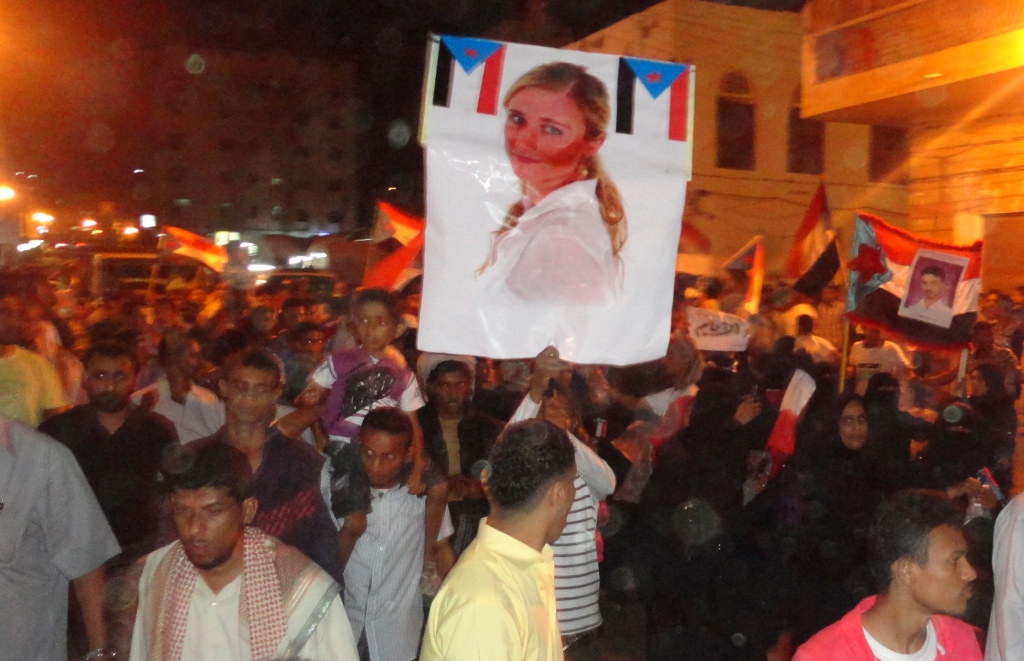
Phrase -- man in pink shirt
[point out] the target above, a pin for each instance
(920, 558)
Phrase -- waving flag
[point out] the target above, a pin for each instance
(889, 285)
(782, 440)
(750, 259)
(182, 242)
(814, 256)
(408, 231)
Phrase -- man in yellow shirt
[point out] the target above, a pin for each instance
(30, 389)
(499, 601)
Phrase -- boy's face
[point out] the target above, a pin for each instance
(374, 326)
(383, 456)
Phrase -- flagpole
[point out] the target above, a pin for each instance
(844, 359)
(961, 373)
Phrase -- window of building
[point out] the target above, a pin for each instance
(888, 152)
(806, 153)
(735, 123)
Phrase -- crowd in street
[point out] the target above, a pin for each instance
(265, 473)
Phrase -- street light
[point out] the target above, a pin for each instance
(6, 193)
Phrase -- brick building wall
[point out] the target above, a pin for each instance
(731, 205)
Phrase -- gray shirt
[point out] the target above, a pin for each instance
(51, 531)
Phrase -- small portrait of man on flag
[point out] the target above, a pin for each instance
(933, 283)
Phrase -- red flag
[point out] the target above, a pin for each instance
(752, 303)
(385, 273)
(813, 237)
(782, 440)
(402, 226)
(750, 258)
(182, 242)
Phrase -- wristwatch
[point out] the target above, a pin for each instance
(99, 653)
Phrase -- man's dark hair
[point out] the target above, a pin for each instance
(208, 463)
(260, 359)
(381, 296)
(295, 302)
(174, 341)
(805, 324)
(305, 327)
(528, 456)
(902, 525)
(449, 367)
(111, 349)
(389, 420)
(937, 271)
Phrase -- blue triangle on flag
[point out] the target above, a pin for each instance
(469, 52)
(656, 76)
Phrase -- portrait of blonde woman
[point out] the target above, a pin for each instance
(560, 243)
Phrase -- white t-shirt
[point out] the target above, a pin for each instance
(410, 400)
(868, 361)
(928, 651)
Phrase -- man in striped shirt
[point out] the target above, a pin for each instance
(382, 577)
(577, 581)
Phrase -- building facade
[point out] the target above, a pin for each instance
(252, 142)
(948, 74)
(756, 161)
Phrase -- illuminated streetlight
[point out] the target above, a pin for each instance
(128, 231)
(41, 217)
(6, 193)
(88, 222)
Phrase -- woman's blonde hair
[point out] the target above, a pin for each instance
(591, 97)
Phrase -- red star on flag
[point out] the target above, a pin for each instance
(471, 52)
(653, 77)
(867, 263)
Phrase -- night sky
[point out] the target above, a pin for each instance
(74, 105)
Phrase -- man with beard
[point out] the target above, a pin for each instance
(226, 590)
(118, 445)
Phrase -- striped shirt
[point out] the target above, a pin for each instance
(382, 578)
(577, 581)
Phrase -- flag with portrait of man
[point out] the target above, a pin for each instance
(921, 290)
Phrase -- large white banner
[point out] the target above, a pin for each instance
(555, 189)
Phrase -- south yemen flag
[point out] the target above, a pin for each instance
(888, 269)
(643, 86)
(467, 72)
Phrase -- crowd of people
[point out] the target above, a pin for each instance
(263, 473)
